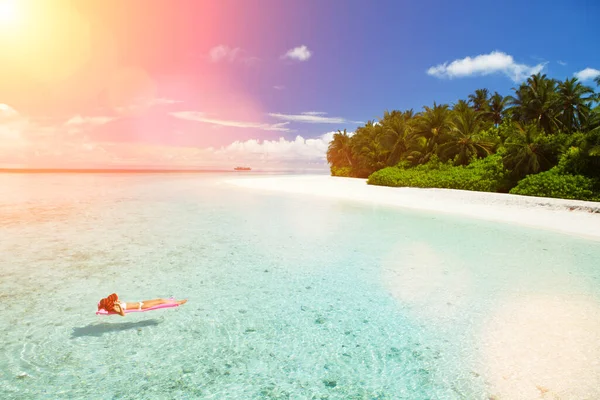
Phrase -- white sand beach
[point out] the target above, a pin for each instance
(581, 218)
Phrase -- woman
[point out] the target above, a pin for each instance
(112, 303)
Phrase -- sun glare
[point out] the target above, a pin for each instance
(8, 11)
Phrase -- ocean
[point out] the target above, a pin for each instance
(289, 297)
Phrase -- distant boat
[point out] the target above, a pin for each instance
(242, 168)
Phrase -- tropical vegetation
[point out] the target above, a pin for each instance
(541, 140)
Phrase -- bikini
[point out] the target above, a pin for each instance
(123, 305)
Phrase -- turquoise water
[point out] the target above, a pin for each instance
(290, 297)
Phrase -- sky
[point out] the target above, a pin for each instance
(262, 83)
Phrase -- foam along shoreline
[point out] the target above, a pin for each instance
(580, 218)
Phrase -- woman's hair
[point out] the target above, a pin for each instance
(108, 303)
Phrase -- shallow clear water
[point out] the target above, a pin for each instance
(289, 297)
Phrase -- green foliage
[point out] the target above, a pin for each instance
(463, 143)
(389, 176)
(480, 99)
(485, 175)
(555, 184)
(573, 161)
(488, 142)
(341, 171)
(369, 150)
(529, 151)
(573, 102)
(339, 152)
(583, 155)
(496, 109)
(492, 135)
(504, 130)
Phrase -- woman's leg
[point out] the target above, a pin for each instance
(156, 302)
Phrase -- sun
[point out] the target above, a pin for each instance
(9, 12)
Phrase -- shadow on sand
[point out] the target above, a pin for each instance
(104, 327)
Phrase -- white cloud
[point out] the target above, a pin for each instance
(587, 74)
(18, 133)
(297, 150)
(28, 144)
(278, 87)
(312, 117)
(200, 117)
(296, 153)
(223, 53)
(314, 113)
(300, 53)
(485, 64)
(79, 120)
(561, 63)
(7, 112)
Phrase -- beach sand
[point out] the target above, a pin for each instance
(580, 218)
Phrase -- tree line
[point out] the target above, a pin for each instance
(545, 128)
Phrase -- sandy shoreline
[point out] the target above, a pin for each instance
(580, 218)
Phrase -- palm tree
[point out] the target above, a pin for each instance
(535, 101)
(339, 152)
(591, 141)
(495, 112)
(397, 134)
(593, 122)
(526, 151)
(542, 107)
(517, 104)
(574, 104)
(463, 143)
(479, 99)
(370, 153)
(596, 96)
(434, 125)
(418, 154)
(461, 106)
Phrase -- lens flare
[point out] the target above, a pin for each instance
(9, 12)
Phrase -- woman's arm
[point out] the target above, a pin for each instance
(119, 309)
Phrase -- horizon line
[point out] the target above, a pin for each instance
(138, 170)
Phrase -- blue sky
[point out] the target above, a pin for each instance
(205, 83)
(370, 58)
